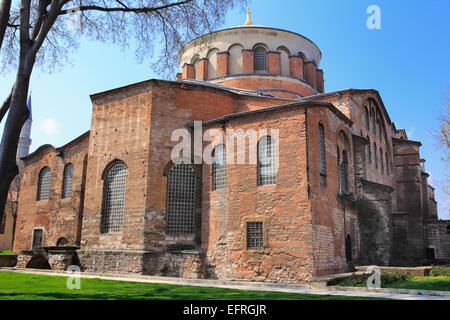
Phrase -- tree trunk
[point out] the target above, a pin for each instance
(18, 114)
(5, 7)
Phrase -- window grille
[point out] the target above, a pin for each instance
(220, 168)
(114, 205)
(255, 235)
(67, 182)
(267, 166)
(37, 239)
(180, 199)
(322, 155)
(43, 192)
(3, 223)
(260, 59)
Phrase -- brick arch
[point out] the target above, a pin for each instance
(110, 165)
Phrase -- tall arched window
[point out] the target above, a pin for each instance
(43, 191)
(348, 248)
(114, 198)
(375, 155)
(180, 199)
(260, 59)
(267, 161)
(381, 161)
(387, 163)
(322, 166)
(343, 172)
(220, 168)
(67, 181)
(372, 117)
(369, 153)
(366, 118)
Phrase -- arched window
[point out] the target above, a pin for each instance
(322, 166)
(43, 191)
(343, 172)
(114, 198)
(366, 118)
(180, 199)
(194, 62)
(375, 155)
(369, 153)
(381, 161)
(387, 163)
(267, 166)
(372, 117)
(220, 168)
(67, 181)
(62, 242)
(260, 59)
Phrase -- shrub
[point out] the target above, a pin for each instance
(360, 280)
(439, 271)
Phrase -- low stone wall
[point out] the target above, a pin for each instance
(112, 261)
(8, 260)
(184, 264)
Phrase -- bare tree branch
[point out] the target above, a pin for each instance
(5, 8)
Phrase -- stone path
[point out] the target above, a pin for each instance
(402, 294)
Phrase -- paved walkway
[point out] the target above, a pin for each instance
(402, 294)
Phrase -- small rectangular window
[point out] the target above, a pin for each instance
(255, 235)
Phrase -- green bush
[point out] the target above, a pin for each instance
(439, 271)
(360, 280)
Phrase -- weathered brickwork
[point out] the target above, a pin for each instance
(350, 188)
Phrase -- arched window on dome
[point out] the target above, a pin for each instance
(114, 198)
(194, 62)
(284, 61)
(260, 59)
(43, 190)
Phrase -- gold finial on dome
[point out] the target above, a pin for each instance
(248, 22)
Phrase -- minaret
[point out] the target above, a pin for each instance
(23, 147)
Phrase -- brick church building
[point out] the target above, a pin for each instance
(346, 187)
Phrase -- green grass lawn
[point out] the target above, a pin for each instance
(17, 286)
(424, 283)
(5, 252)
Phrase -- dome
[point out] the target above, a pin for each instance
(269, 60)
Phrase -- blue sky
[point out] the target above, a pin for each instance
(407, 61)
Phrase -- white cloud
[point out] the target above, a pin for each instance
(49, 127)
(410, 132)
